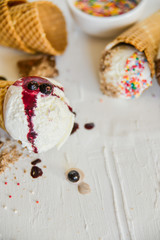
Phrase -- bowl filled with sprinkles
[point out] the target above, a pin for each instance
(106, 18)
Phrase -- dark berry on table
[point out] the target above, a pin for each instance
(3, 78)
(36, 161)
(73, 176)
(33, 85)
(89, 126)
(46, 88)
(36, 172)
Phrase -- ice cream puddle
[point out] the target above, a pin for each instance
(37, 113)
(36, 172)
(107, 8)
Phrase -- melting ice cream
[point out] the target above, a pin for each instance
(37, 113)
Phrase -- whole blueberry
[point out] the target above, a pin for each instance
(46, 88)
(73, 176)
(32, 85)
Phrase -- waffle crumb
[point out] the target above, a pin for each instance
(41, 65)
(105, 64)
(84, 188)
(9, 154)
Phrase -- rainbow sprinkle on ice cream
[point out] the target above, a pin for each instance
(106, 8)
(133, 82)
(126, 72)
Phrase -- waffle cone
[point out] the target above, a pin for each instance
(144, 36)
(8, 35)
(41, 25)
(4, 85)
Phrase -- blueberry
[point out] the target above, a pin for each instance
(46, 88)
(73, 176)
(32, 85)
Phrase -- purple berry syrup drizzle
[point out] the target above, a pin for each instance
(29, 97)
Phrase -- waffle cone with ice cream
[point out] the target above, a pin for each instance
(32, 26)
(144, 36)
(36, 112)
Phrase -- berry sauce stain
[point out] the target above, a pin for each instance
(89, 126)
(36, 172)
(32, 86)
(30, 103)
(75, 128)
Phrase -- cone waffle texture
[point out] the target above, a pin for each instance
(144, 36)
(40, 26)
(8, 35)
(4, 85)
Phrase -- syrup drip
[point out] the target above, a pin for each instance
(30, 103)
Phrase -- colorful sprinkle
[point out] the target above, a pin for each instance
(18, 184)
(37, 202)
(10, 196)
(132, 83)
(106, 8)
(6, 183)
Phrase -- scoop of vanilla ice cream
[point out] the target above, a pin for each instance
(37, 113)
(126, 72)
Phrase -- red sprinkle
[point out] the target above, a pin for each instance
(37, 201)
(10, 196)
(18, 183)
(5, 183)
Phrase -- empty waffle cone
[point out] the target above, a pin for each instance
(41, 26)
(144, 36)
(4, 85)
(8, 35)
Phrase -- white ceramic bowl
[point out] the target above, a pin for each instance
(105, 26)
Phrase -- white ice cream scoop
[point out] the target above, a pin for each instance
(124, 72)
(37, 113)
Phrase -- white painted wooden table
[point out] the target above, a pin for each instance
(120, 158)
